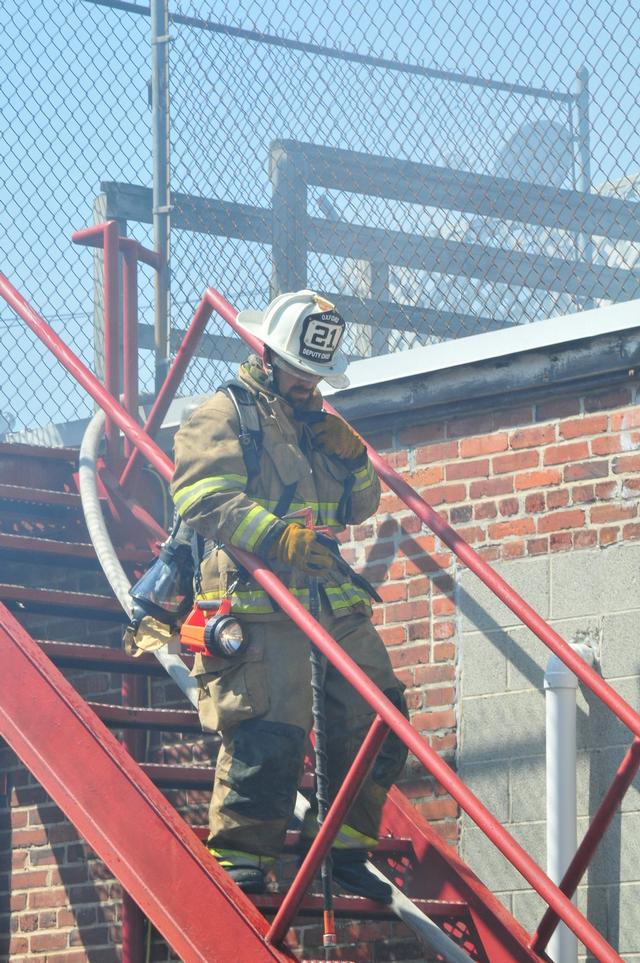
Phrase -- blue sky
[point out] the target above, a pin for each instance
(73, 111)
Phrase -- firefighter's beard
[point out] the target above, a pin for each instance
(299, 396)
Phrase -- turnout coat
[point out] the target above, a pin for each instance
(214, 493)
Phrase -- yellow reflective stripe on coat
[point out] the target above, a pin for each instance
(324, 513)
(258, 602)
(271, 503)
(364, 477)
(187, 496)
(253, 526)
(253, 602)
(345, 595)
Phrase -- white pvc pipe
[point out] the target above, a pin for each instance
(561, 687)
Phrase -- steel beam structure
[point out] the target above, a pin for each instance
(119, 812)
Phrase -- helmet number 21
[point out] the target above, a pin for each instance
(323, 335)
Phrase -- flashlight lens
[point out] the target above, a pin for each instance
(229, 637)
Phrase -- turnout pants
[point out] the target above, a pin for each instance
(261, 704)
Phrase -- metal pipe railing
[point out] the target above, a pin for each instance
(130, 338)
(383, 708)
(111, 287)
(503, 591)
(429, 758)
(106, 236)
(527, 615)
(329, 829)
(167, 391)
(86, 378)
(585, 851)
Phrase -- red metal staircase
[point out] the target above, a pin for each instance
(68, 747)
(160, 861)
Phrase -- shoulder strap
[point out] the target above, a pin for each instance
(250, 438)
(250, 434)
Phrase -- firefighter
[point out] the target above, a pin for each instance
(309, 463)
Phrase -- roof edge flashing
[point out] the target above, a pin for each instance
(491, 345)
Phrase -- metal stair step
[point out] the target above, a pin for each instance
(166, 776)
(356, 907)
(38, 467)
(79, 604)
(136, 717)
(81, 655)
(387, 846)
(21, 450)
(44, 497)
(20, 545)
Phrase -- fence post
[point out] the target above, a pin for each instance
(583, 164)
(161, 182)
(289, 201)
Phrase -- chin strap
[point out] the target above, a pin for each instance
(270, 369)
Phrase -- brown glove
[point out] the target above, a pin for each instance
(335, 437)
(299, 547)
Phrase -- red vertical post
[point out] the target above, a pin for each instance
(329, 829)
(133, 931)
(592, 838)
(167, 391)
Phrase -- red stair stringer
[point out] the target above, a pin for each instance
(437, 872)
(159, 861)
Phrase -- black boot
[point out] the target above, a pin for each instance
(245, 869)
(351, 873)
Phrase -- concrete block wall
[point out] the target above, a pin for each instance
(547, 491)
(589, 597)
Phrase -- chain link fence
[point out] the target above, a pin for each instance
(439, 171)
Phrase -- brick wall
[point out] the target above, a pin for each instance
(561, 474)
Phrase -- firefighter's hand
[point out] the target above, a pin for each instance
(300, 548)
(335, 437)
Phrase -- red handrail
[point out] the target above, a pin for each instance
(531, 619)
(599, 824)
(167, 391)
(387, 712)
(86, 378)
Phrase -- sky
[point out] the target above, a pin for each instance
(74, 111)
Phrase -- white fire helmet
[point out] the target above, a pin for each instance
(305, 330)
